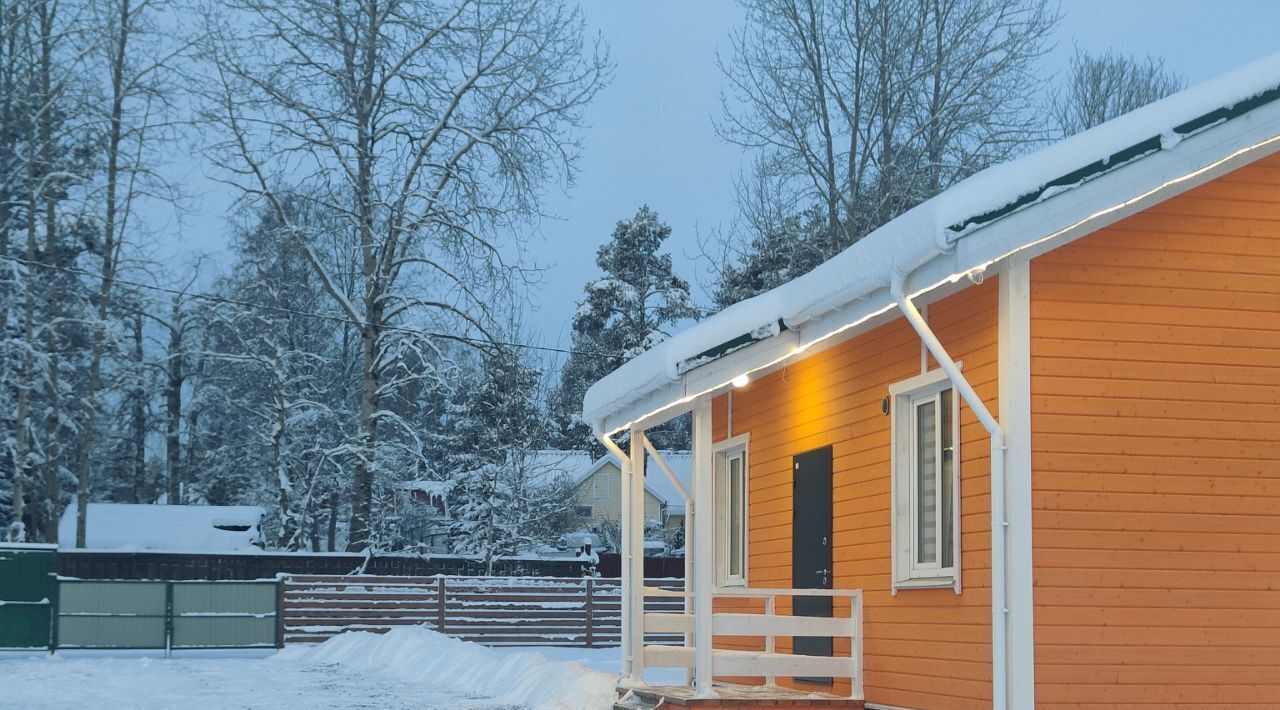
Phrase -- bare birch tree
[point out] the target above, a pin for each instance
(1100, 87)
(138, 56)
(856, 110)
(431, 127)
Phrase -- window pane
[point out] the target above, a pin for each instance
(735, 517)
(926, 483)
(948, 480)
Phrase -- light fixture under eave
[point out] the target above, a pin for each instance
(740, 381)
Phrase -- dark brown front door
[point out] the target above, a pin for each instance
(811, 544)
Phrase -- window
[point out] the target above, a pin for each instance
(926, 491)
(731, 512)
(583, 511)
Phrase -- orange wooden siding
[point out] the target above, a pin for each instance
(923, 648)
(1156, 455)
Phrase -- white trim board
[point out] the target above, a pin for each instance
(1015, 418)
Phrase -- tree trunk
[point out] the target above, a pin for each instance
(139, 418)
(53, 453)
(173, 407)
(108, 265)
(332, 541)
(21, 423)
(360, 533)
(284, 537)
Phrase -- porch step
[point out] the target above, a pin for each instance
(731, 696)
(751, 663)
(634, 701)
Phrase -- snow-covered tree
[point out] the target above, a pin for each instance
(430, 127)
(635, 304)
(502, 501)
(271, 396)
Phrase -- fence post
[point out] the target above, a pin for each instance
(280, 581)
(168, 619)
(440, 603)
(768, 640)
(590, 608)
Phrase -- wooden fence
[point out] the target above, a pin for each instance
(494, 611)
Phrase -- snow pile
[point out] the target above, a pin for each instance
(920, 234)
(418, 654)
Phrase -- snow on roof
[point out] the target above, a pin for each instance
(932, 229)
(187, 528)
(681, 463)
(432, 491)
(547, 466)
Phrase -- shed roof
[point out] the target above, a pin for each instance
(1110, 171)
(184, 528)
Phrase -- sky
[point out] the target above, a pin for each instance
(650, 137)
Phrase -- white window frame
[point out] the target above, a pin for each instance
(732, 448)
(906, 396)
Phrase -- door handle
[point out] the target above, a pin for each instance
(825, 574)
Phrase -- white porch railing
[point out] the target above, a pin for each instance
(769, 625)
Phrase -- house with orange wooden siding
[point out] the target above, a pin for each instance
(1019, 447)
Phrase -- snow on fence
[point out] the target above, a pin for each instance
(494, 611)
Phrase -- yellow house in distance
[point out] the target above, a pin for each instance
(597, 491)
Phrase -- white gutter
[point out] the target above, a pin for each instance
(624, 463)
(999, 610)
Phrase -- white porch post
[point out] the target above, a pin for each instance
(703, 545)
(628, 581)
(636, 522)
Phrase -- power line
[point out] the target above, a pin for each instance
(309, 314)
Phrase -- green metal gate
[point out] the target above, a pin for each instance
(224, 614)
(168, 615)
(28, 590)
(113, 614)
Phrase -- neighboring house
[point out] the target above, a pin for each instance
(176, 528)
(421, 508)
(1031, 426)
(421, 511)
(597, 491)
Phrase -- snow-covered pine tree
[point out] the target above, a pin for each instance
(274, 392)
(777, 255)
(633, 306)
(501, 502)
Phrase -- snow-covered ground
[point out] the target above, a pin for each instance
(407, 669)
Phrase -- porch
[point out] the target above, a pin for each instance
(739, 646)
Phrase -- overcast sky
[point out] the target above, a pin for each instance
(651, 139)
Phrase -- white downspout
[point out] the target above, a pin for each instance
(999, 523)
(624, 462)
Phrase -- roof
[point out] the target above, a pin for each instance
(655, 481)
(186, 528)
(1029, 205)
(548, 466)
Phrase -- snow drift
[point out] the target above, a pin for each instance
(415, 653)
